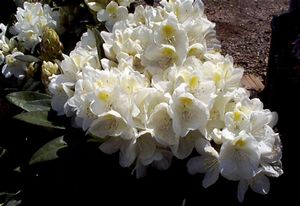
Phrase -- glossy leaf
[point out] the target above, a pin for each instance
(30, 101)
(38, 105)
(48, 151)
(39, 118)
(27, 58)
(99, 42)
(13, 203)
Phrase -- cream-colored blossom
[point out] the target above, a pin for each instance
(31, 20)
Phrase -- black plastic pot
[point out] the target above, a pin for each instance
(282, 94)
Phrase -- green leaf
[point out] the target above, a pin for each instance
(27, 58)
(38, 105)
(48, 151)
(2, 152)
(99, 42)
(39, 118)
(13, 203)
(10, 199)
(31, 85)
(30, 101)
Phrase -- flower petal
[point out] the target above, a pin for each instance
(260, 184)
(111, 146)
(242, 189)
(210, 177)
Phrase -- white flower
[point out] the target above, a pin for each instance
(14, 67)
(259, 184)
(111, 14)
(128, 149)
(2, 57)
(126, 44)
(82, 57)
(161, 122)
(237, 120)
(147, 16)
(111, 124)
(186, 144)
(2, 31)
(143, 149)
(125, 2)
(223, 73)
(83, 98)
(108, 39)
(112, 98)
(132, 81)
(195, 82)
(146, 101)
(87, 41)
(159, 58)
(171, 32)
(182, 9)
(207, 163)
(188, 113)
(31, 21)
(84, 115)
(239, 157)
(96, 5)
(202, 35)
(7, 46)
(61, 87)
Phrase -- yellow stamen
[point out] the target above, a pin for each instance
(10, 60)
(217, 77)
(237, 116)
(168, 52)
(194, 82)
(240, 143)
(168, 31)
(193, 52)
(186, 101)
(104, 96)
(177, 11)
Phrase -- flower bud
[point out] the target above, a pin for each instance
(31, 69)
(51, 47)
(48, 69)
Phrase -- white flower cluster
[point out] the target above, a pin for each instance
(163, 90)
(97, 5)
(31, 20)
(8, 52)
(30, 23)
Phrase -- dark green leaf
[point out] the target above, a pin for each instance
(38, 105)
(48, 151)
(27, 58)
(31, 85)
(2, 152)
(39, 118)
(28, 84)
(30, 101)
(99, 42)
(10, 198)
(13, 203)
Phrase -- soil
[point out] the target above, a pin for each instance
(244, 29)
